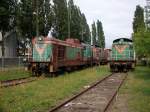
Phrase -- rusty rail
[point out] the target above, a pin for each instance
(84, 91)
(114, 95)
(14, 82)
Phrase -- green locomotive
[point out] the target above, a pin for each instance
(122, 55)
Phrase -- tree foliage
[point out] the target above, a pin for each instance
(100, 35)
(138, 23)
(75, 20)
(7, 14)
(141, 35)
(27, 11)
(46, 17)
(94, 33)
(142, 43)
(61, 17)
(24, 19)
(31, 17)
(78, 23)
(86, 35)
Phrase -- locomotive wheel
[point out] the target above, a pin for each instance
(116, 69)
(34, 73)
(39, 73)
(125, 70)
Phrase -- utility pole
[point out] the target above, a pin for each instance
(69, 16)
(36, 17)
(91, 38)
(37, 20)
(82, 31)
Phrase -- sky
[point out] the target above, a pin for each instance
(115, 15)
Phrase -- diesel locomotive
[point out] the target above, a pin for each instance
(122, 55)
(52, 55)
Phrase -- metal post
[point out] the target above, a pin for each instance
(82, 32)
(69, 16)
(19, 62)
(2, 63)
(91, 38)
(129, 55)
(37, 20)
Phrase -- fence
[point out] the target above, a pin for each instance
(11, 63)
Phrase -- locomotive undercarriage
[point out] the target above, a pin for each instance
(121, 66)
(39, 68)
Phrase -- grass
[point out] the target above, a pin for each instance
(13, 74)
(137, 88)
(45, 93)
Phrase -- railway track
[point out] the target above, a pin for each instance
(14, 82)
(96, 98)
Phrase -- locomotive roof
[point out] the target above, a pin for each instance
(58, 42)
(124, 40)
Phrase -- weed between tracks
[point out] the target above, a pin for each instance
(137, 91)
(42, 94)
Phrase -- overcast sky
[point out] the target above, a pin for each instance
(116, 16)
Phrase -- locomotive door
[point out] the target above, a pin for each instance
(61, 55)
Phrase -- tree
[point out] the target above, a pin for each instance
(85, 30)
(75, 21)
(141, 36)
(7, 15)
(61, 17)
(138, 22)
(142, 42)
(45, 16)
(100, 35)
(94, 33)
(34, 17)
(25, 27)
(49, 16)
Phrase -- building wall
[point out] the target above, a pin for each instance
(10, 45)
